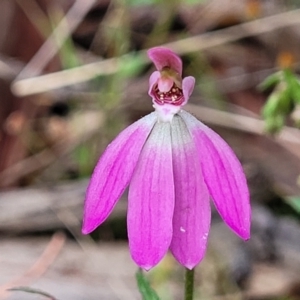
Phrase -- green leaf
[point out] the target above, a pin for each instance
(274, 124)
(67, 52)
(295, 90)
(278, 103)
(141, 2)
(293, 84)
(296, 93)
(285, 105)
(131, 65)
(272, 105)
(145, 289)
(294, 202)
(270, 81)
(192, 2)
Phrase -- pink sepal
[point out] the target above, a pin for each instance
(113, 172)
(191, 220)
(151, 200)
(223, 175)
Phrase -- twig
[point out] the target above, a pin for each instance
(6, 71)
(71, 221)
(89, 126)
(32, 291)
(63, 30)
(240, 122)
(288, 137)
(44, 83)
(39, 267)
(63, 78)
(234, 33)
(29, 165)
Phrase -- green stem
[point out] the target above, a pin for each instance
(189, 284)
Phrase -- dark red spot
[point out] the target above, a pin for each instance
(173, 96)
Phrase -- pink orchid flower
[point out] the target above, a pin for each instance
(174, 165)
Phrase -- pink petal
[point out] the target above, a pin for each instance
(165, 84)
(188, 85)
(223, 175)
(152, 81)
(191, 221)
(163, 57)
(113, 172)
(151, 200)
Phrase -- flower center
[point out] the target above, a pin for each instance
(173, 96)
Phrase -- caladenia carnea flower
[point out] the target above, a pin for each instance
(174, 165)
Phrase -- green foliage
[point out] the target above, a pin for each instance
(131, 65)
(141, 2)
(145, 289)
(294, 202)
(84, 159)
(294, 85)
(270, 81)
(283, 99)
(194, 1)
(68, 55)
(67, 52)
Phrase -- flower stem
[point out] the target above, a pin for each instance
(189, 284)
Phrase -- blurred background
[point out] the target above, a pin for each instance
(74, 73)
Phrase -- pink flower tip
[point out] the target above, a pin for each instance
(169, 92)
(165, 58)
